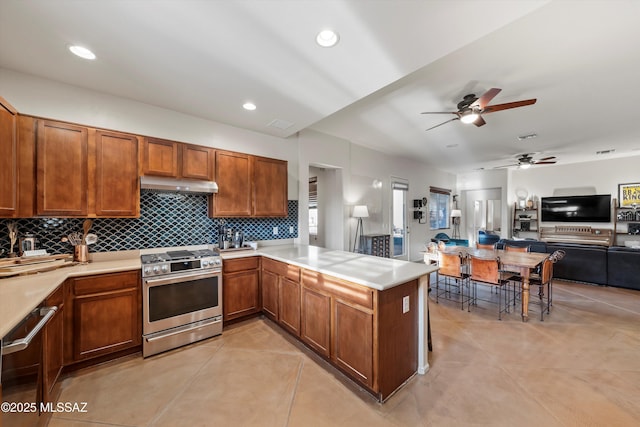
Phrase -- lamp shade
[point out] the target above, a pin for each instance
(456, 213)
(360, 211)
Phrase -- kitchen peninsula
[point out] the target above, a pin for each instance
(365, 315)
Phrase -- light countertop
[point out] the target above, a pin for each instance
(19, 295)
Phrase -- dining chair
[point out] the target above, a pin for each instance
(542, 280)
(452, 273)
(556, 257)
(485, 246)
(487, 271)
(511, 248)
(544, 277)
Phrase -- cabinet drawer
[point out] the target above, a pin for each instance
(240, 264)
(342, 289)
(289, 271)
(105, 283)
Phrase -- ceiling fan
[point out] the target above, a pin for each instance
(525, 161)
(471, 108)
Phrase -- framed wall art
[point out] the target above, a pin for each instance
(629, 195)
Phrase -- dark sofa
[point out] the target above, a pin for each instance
(623, 269)
(617, 266)
(582, 263)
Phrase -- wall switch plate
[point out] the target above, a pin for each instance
(405, 304)
(291, 229)
(275, 231)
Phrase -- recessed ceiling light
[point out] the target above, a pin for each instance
(82, 52)
(249, 106)
(327, 38)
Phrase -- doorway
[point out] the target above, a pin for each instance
(325, 211)
(399, 224)
(484, 208)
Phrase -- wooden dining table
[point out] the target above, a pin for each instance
(522, 263)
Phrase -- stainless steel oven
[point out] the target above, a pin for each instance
(182, 299)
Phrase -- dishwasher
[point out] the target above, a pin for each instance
(21, 370)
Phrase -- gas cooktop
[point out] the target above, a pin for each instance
(178, 255)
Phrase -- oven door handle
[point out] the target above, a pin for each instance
(183, 330)
(180, 278)
(23, 343)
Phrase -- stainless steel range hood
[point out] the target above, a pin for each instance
(177, 185)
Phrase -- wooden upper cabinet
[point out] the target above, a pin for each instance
(197, 162)
(8, 160)
(61, 178)
(233, 176)
(116, 179)
(160, 157)
(269, 187)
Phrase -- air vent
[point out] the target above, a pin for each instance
(529, 136)
(606, 151)
(280, 124)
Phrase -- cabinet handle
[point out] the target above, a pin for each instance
(23, 343)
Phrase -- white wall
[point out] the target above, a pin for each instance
(360, 167)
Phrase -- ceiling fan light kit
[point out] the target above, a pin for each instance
(471, 108)
(469, 116)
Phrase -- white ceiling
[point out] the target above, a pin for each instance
(395, 59)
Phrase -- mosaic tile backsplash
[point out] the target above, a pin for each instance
(166, 219)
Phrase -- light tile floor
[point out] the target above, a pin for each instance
(580, 367)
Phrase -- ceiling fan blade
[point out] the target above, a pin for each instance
(506, 166)
(443, 123)
(545, 163)
(508, 105)
(440, 112)
(486, 97)
(479, 121)
(546, 158)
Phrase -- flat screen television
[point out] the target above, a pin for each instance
(576, 208)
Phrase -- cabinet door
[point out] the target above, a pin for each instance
(117, 188)
(353, 341)
(289, 305)
(160, 158)
(269, 187)
(62, 159)
(270, 295)
(52, 346)
(8, 160)
(197, 162)
(233, 176)
(316, 320)
(240, 294)
(106, 314)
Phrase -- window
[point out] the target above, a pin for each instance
(439, 206)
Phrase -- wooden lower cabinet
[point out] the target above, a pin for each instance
(363, 332)
(240, 288)
(353, 341)
(315, 325)
(103, 315)
(289, 305)
(281, 294)
(270, 295)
